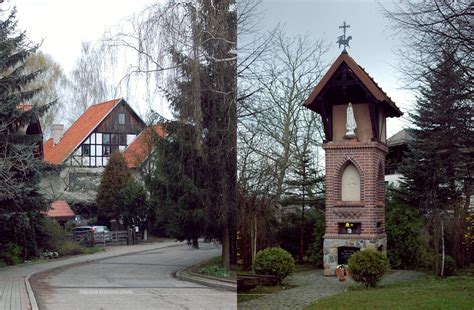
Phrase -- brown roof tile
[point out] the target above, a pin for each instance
(79, 131)
(60, 209)
(363, 76)
(140, 148)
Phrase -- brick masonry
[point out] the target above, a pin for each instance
(369, 159)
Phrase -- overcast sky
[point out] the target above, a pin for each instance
(373, 44)
(63, 24)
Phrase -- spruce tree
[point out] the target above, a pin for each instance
(134, 210)
(303, 186)
(203, 100)
(439, 162)
(176, 185)
(112, 188)
(21, 203)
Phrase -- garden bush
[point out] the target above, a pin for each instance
(315, 251)
(53, 235)
(274, 261)
(289, 232)
(70, 248)
(11, 254)
(404, 227)
(449, 266)
(368, 267)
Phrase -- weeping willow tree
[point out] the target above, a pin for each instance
(187, 48)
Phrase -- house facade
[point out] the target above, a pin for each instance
(397, 147)
(82, 151)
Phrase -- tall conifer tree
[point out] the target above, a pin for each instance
(21, 203)
(110, 194)
(439, 163)
(203, 99)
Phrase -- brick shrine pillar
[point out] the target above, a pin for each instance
(355, 160)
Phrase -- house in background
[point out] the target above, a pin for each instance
(61, 212)
(84, 149)
(397, 147)
(137, 154)
(33, 129)
(102, 129)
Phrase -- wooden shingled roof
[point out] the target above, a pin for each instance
(78, 131)
(365, 79)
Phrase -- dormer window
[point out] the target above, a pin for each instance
(122, 118)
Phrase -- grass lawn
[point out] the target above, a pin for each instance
(426, 293)
(260, 291)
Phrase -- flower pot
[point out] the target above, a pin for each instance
(341, 274)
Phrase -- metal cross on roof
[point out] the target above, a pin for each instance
(342, 40)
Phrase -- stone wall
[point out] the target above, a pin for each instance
(331, 246)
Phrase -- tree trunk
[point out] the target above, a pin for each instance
(442, 247)
(254, 238)
(195, 243)
(302, 233)
(196, 84)
(225, 249)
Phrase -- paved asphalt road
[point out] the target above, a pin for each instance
(136, 281)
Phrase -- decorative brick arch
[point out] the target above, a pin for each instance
(340, 167)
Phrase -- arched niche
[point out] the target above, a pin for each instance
(350, 184)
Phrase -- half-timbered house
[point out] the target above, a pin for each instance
(83, 150)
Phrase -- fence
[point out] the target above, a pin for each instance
(89, 238)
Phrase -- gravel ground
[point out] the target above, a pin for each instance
(313, 285)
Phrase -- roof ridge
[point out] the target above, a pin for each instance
(108, 101)
(86, 123)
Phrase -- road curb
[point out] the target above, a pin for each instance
(29, 289)
(185, 274)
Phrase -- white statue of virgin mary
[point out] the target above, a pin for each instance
(351, 124)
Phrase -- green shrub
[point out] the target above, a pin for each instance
(53, 235)
(289, 232)
(368, 267)
(449, 266)
(70, 248)
(274, 261)
(92, 249)
(315, 251)
(404, 227)
(11, 254)
(215, 270)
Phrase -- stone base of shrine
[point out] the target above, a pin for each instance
(337, 250)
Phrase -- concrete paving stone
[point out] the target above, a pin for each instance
(313, 285)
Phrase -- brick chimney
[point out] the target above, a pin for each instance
(57, 131)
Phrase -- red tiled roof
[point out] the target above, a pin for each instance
(60, 209)
(81, 128)
(365, 78)
(25, 107)
(140, 148)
